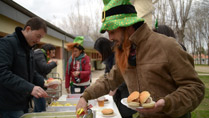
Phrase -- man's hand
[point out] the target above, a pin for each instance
(67, 90)
(38, 92)
(112, 93)
(53, 60)
(76, 73)
(82, 104)
(157, 108)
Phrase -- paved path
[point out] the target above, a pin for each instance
(95, 75)
(204, 69)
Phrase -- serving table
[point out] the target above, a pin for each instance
(109, 104)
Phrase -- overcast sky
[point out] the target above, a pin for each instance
(55, 10)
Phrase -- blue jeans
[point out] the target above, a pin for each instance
(82, 88)
(40, 104)
(11, 114)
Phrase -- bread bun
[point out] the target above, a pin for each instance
(133, 97)
(146, 100)
(144, 96)
(148, 105)
(107, 111)
(134, 104)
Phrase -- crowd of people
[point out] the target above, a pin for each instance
(152, 60)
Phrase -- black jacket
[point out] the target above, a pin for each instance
(122, 92)
(17, 72)
(109, 62)
(41, 65)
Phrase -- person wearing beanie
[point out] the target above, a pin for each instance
(147, 61)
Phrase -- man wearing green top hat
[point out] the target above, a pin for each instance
(78, 70)
(147, 61)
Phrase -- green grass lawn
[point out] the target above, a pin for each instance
(201, 64)
(202, 111)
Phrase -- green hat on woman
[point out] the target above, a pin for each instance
(118, 13)
(77, 41)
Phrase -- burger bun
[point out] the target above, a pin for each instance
(148, 105)
(107, 111)
(133, 97)
(133, 104)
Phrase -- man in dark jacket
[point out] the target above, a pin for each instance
(44, 64)
(18, 78)
(43, 59)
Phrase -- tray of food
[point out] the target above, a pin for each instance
(57, 106)
(50, 115)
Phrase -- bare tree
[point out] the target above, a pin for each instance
(181, 16)
(199, 26)
(161, 11)
(191, 36)
(84, 21)
(204, 21)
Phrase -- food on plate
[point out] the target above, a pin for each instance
(133, 99)
(143, 99)
(51, 81)
(107, 111)
(146, 100)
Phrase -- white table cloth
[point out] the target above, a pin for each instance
(110, 104)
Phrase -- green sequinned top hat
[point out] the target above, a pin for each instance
(118, 13)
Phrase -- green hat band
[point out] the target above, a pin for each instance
(120, 20)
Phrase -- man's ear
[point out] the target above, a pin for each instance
(28, 28)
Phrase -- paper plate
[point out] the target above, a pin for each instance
(124, 102)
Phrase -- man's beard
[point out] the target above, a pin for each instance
(122, 52)
(120, 47)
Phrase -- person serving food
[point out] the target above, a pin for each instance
(147, 61)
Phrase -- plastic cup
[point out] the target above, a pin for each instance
(100, 101)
